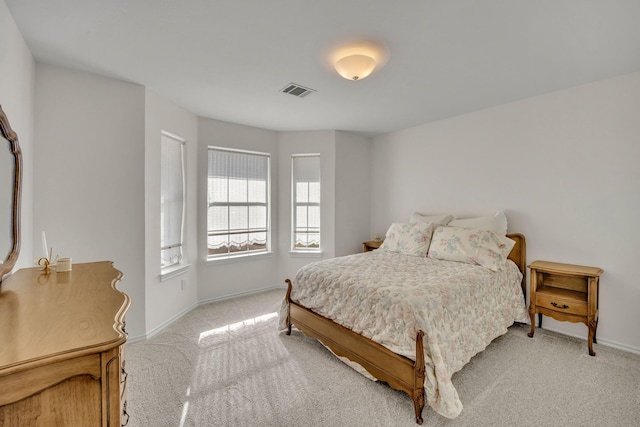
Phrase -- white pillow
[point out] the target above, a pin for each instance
(435, 219)
(496, 223)
(473, 246)
(408, 238)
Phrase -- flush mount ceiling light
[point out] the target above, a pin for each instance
(358, 60)
(355, 67)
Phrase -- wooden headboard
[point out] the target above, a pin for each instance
(519, 256)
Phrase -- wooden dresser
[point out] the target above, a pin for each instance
(62, 347)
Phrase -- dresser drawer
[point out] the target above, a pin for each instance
(561, 305)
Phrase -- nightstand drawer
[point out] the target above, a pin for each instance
(562, 305)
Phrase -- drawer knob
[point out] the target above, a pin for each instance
(123, 374)
(563, 306)
(124, 415)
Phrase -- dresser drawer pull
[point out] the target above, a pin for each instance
(563, 306)
(125, 416)
(123, 374)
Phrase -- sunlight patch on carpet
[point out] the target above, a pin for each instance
(236, 368)
(235, 326)
(185, 408)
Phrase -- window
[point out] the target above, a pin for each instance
(171, 199)
(306, 202)
(238, 215)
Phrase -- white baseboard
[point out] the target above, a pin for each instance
(168, 322)
(605, 342)
(240, 294)
(619, 346)
(161, 326)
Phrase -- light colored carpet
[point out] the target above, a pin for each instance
(225, 364)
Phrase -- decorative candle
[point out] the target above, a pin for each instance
(44, 246)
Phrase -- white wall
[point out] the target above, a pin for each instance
(224, 278)
(564, 168)
(89, 174)
(352, 193)
(165, 300)
(17, 71)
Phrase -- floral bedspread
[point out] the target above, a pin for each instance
(388, 297)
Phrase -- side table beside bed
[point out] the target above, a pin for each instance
(565, 292)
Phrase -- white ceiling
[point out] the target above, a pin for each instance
(228, 59)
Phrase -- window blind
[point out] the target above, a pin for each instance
(306, 202)
(238, 202)
(171, 199)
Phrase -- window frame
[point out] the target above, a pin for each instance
(178, 265)
(267, 204)
(295, 204)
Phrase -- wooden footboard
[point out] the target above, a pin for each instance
(399, 372)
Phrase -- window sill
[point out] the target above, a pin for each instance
(232, 259)
(173, 271)
(306, 254)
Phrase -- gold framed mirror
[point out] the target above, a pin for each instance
(10, 193)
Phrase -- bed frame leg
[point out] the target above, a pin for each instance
(418, 387)
(418, 403)
(288, 299)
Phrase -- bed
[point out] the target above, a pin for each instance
(427, 350)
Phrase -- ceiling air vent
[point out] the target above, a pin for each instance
(296, 90)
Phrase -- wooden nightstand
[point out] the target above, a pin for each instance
(565, 292)
(371, 245)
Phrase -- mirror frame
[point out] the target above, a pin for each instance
(8, 133)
